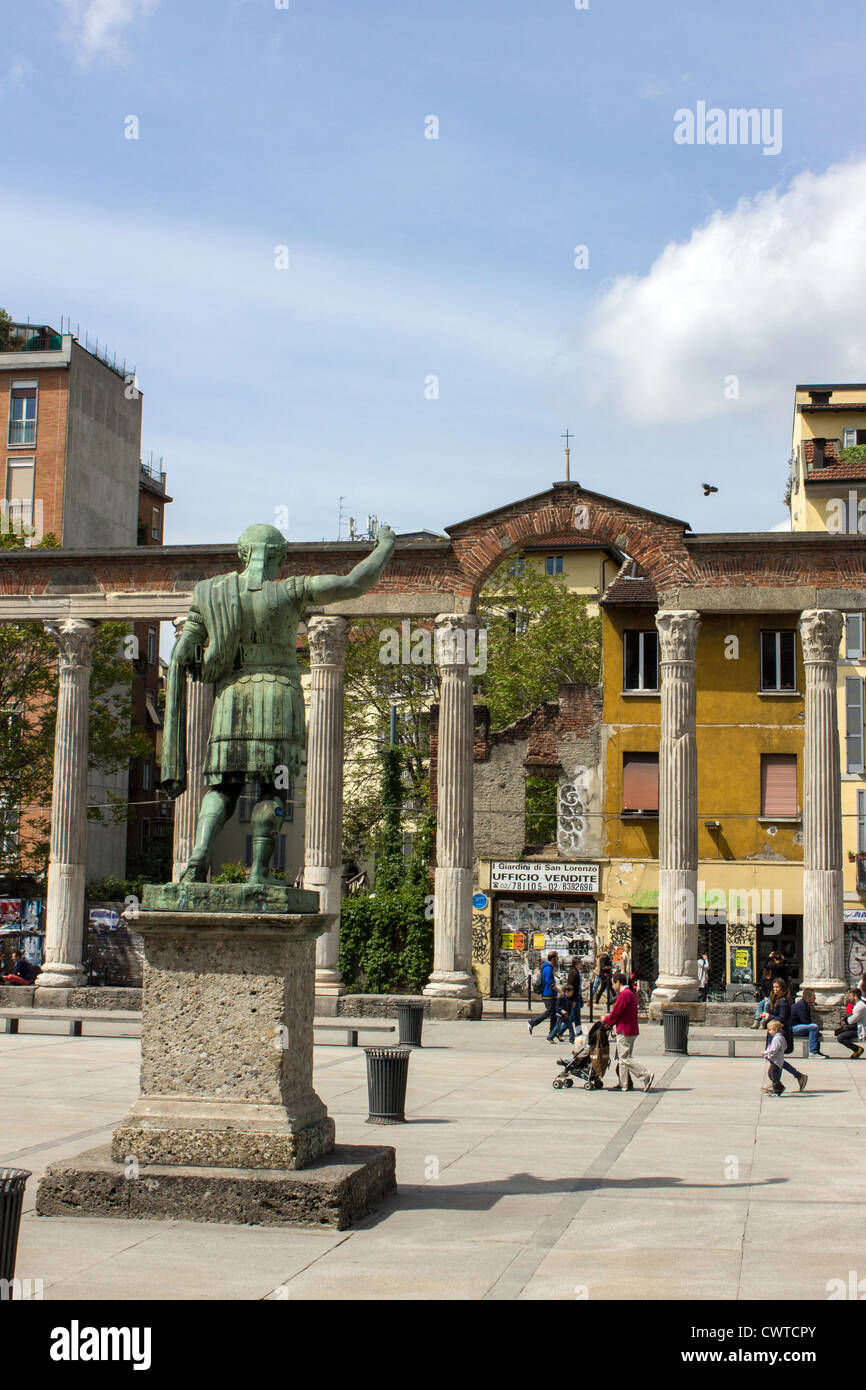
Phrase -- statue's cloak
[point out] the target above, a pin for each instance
(215, 622)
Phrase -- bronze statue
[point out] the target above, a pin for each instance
(241, 636)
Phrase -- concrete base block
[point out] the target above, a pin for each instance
(385, 1006)
(17, 996)
(343, 1187)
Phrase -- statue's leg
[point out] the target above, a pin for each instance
(266, 822)
(217, 807)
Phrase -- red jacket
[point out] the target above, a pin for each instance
(624, 1014)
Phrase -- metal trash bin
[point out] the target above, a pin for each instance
(676, 1029)
(410, 1018)
(387, 1074)
(12, 1183)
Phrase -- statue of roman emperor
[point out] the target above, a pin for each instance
(240, 635)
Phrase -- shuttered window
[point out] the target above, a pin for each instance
(853, 723)
(854, 636)
(779, 786)
(640, 782)
(861, 822)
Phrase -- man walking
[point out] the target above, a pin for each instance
(623, 1016)
(548, 994)
(704, 976)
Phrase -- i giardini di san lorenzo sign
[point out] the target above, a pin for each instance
(526, 876)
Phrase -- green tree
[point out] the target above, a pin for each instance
(5, 325)
(540, 635)
(386, 937)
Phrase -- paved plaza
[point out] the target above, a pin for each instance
(507, 1188)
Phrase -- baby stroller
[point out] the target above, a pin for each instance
(589, 1064)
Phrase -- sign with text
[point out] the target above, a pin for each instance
(514, 875)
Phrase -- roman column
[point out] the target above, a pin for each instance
(64, 912)
(678, 803)
(823, 930)
(199, 707)
(323, 818)
(452, 910)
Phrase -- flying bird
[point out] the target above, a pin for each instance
(708, 488)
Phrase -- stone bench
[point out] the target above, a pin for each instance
(732, 1045)
(10, 1019)
(351, 1031)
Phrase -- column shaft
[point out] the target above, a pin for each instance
(823, 929)
(678, 797)
(199, 708)
(323, 817)
(64, 915)
(452, 958)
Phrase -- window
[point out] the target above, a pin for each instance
(779, 786)
(146, 774)
(517, 621)
(516, 566)
(145, 832)
(854, 636)
(778, 660)
(640, 783)
(640, 660)
(553, 564)
(151, 646)
(18, 509)
(279, 859)
(245, 809)
(861, 822)
(850, 438)
(540, 810)
(154, 523)
(22, 413)
(853, 724)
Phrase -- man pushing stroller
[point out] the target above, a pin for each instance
(623, 1017)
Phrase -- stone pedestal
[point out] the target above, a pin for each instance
(227, 1104)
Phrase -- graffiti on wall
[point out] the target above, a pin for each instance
(571, 811)
(855, 950)
(480, 937)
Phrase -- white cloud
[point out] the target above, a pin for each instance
(771, 293)
(96, 28)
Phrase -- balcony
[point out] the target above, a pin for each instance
(22, 432)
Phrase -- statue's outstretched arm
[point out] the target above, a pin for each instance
(330, 588)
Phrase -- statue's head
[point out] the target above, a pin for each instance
(262, 550)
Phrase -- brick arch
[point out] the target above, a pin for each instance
(655, 541)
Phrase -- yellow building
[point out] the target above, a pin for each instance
(828, 493)
(749, 733)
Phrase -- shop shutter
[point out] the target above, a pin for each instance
(778, 785)
(640, 781)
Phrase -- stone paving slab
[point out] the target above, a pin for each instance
(509, 1190)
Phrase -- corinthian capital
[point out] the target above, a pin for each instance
(820, 634)
(455, 643)
(327, 637)
(76, 638)
(678, 633)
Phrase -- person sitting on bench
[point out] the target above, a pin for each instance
(22, 973)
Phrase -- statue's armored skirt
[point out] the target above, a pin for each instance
(257, 727)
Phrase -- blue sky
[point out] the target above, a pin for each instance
(411, 257)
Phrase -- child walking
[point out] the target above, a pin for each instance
(775, 1055)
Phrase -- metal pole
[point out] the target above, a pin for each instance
(505, 996)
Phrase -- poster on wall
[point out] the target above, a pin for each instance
(742, 965)
(31, 914)
(10, 913)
